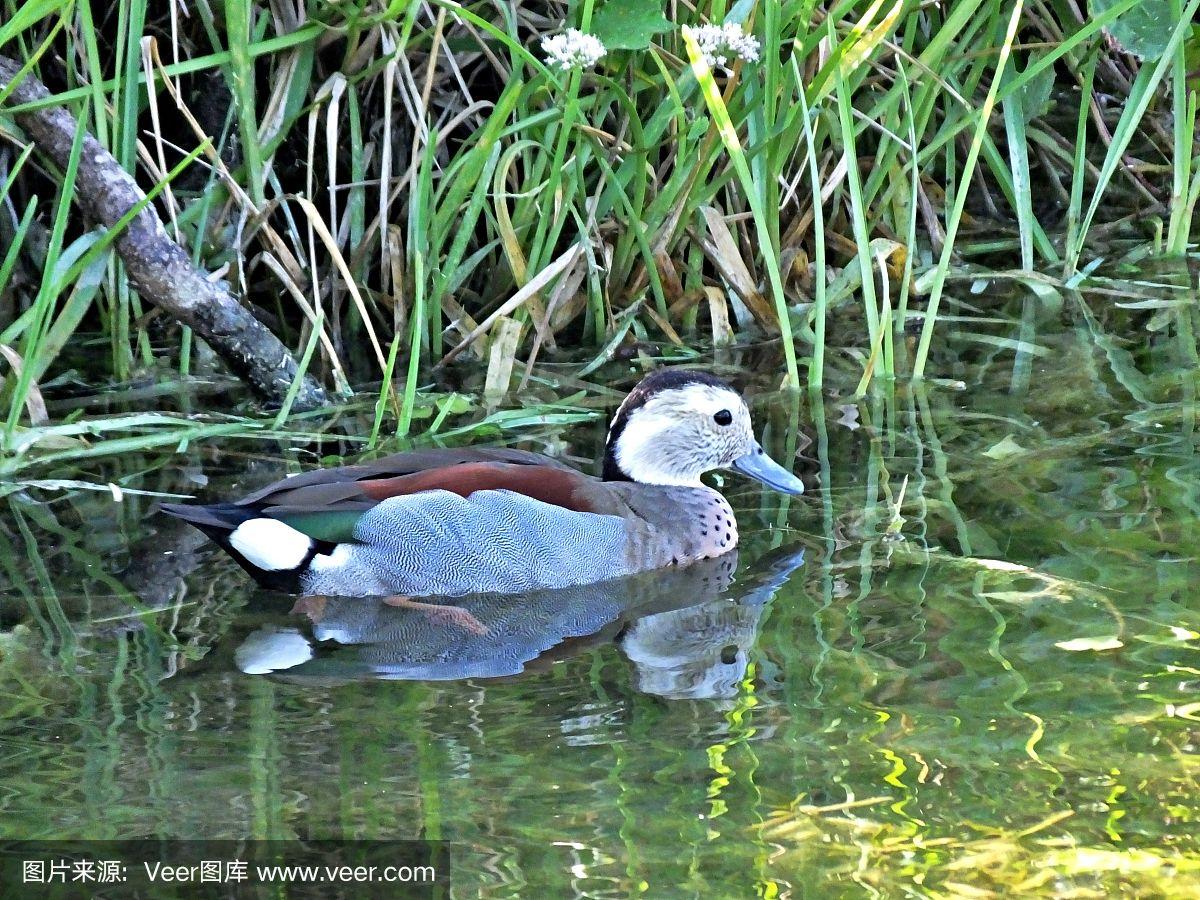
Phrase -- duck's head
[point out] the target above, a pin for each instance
(678, 424)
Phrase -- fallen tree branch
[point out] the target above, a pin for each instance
(159, 269)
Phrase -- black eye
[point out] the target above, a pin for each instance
(723, 417)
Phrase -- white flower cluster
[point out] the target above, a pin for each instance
(721, 44)
(573, 49)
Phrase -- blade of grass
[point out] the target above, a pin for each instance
(943, 265)
(816, 367)
(1018, 155)
(47, 294)
(858, 208)
(238, 25)
(733, 146)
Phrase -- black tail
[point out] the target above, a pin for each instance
(214, 520)
(218, 521)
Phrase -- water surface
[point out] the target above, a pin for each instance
(967, 661)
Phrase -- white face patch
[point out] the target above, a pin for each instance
(676, 435)
(270, 544)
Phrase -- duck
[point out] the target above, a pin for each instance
(453, 522)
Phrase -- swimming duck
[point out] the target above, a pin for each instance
(460, 521)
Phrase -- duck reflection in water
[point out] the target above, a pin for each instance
(687, 631)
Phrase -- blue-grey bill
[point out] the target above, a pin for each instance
(761, 467)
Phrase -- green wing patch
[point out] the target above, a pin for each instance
(336, 526)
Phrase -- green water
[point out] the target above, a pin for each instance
(968, 662)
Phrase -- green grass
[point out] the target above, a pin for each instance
(385, 179)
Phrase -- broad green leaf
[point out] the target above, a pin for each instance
(629, 24)
(1143, 30)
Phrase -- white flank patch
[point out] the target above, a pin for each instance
(270, 544)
